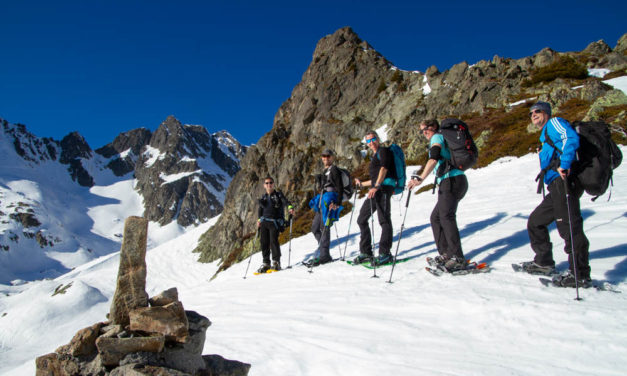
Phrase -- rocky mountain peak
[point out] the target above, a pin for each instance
(598, 48)
(343, 39)
(74, 146)
(185, 171)
(73, 149)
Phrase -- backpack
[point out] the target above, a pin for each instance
(464, 152)
(347, 186)
(597, 156)
(399, 164)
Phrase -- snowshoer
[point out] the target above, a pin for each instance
(556, 169)
(452, 186)
(330, 186)
(379, 196)
(271, 214)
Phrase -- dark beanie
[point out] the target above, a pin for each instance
(542, 106)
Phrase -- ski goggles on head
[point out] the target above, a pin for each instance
(370, 140)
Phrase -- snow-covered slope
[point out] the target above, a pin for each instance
(340, 321)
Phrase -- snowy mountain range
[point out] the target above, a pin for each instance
(339, 320)
(63, 204)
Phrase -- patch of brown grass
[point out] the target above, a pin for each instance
(564, 67)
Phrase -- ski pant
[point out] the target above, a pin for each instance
(269, 241)
(555, 208)
(323, 236)
(381, 204)
(444, 216)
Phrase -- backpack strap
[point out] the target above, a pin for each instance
(551, 166)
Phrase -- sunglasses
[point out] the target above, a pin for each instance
(534, 112)
(268, 182)
(370, 140)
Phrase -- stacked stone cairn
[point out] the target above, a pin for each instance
(143, 336)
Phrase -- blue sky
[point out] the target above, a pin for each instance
(105, 67)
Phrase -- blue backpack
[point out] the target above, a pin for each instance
(399, 164)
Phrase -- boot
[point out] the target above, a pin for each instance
(263, 268)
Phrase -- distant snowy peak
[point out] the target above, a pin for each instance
(182, 171)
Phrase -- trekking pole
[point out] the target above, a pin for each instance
(400, 235)
(289, 252)
(337, 235)
(350, 221)
(572, 244)
(251, 254)
(310, 270)
(374, 262)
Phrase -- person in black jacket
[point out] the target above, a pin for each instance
(381, 167)
(271, 211)
(329, 181)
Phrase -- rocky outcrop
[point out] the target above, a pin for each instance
(349, 88)
(162, 339)
(130, 290)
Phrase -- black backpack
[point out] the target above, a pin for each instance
(597, 157)
(347, 186)
(464, 152)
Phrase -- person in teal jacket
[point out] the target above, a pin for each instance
(452, 187)
(559, 145)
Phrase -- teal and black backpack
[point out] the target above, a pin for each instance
(399, 164)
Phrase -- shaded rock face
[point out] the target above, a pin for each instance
(349, 88)
(74, 148)
(125, 150)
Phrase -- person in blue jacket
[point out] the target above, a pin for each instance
(327, 206)
(559, 145)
